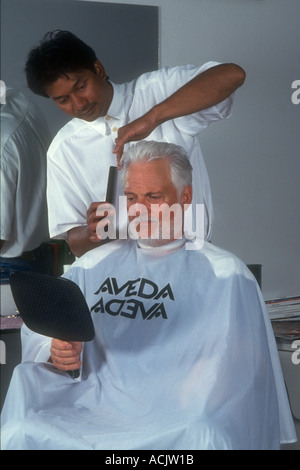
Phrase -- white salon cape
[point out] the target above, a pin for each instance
(81, 153)
(184, 358)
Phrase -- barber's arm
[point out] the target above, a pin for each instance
(204, 91)
(85, 238)
(79, 241)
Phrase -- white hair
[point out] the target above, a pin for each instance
(180, 166)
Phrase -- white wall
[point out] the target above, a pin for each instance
(253, 158)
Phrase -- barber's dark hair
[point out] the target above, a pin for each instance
(59, 53)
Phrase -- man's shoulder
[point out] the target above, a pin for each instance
(223, 262)
(70, 129)
(176, 70)
(99, 254)
(13, 112)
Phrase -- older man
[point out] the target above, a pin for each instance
(184, 356)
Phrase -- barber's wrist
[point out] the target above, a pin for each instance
(79, 240)
(156, 115)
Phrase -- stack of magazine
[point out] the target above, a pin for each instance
(285, 309)
(285, 317)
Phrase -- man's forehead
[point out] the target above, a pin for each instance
(150, 177)
(156, 165)
(65, 82)
(148, 171)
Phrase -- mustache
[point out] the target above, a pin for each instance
(145, 218)
(85, 110)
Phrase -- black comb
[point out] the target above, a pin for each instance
(52, 306)
(111, 184)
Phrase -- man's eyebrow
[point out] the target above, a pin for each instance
(129, 194)
(149, 193)
(56, 98)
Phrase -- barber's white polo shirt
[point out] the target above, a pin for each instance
(81, 153)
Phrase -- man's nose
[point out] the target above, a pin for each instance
(138, 209)
(79, 103)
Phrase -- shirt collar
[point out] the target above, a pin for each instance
(161, 250)
(116, 109)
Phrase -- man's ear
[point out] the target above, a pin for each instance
(186, 196)
(99, 69)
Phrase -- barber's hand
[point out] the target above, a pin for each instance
(138, 129)
(66, 355)
(97, 216)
